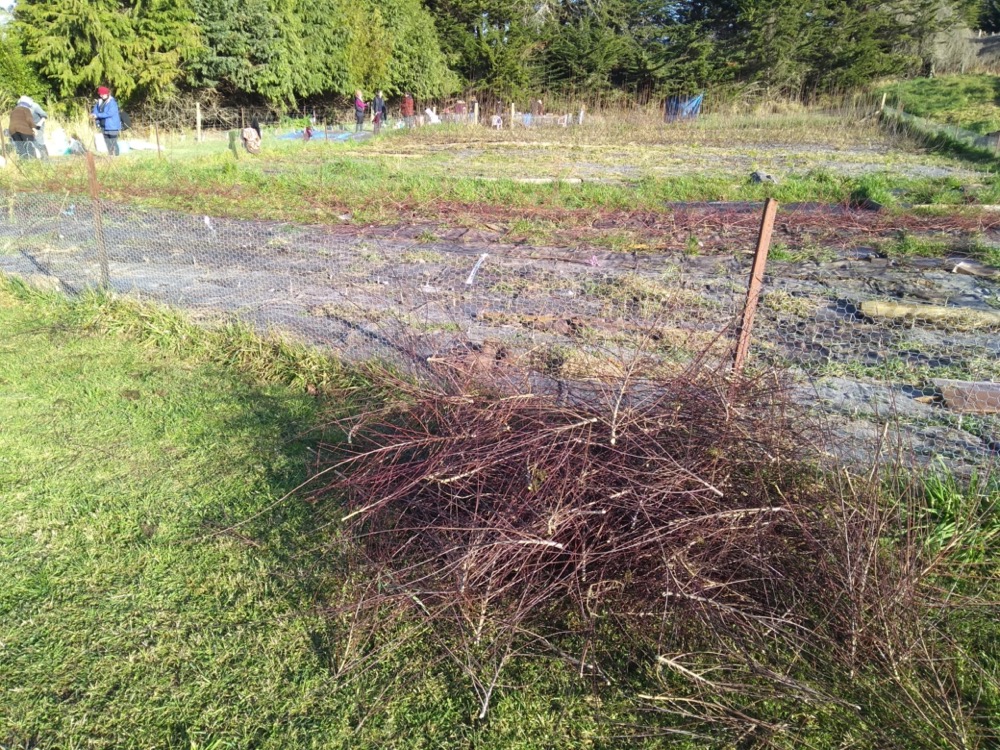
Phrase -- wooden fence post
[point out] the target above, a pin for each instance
(95, 199)
(756, 282)
(512, 115)
(475, 112)
(197, 121)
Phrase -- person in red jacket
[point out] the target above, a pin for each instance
(406, 110)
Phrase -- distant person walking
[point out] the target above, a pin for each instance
(359, 112)
(22, 130)
(108, 118)
(406, 110)
(536, 112)
(40, 116)
(379, 112)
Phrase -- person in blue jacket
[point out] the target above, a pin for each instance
(108, 118)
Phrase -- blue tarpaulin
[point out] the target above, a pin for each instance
(317, 135)
(683, 107)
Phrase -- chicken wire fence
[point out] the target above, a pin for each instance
(843, 330)
(989, 142)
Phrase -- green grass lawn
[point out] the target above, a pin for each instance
(160, 587)
(130, 617)
(970, 101)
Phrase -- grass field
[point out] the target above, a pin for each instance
(164, 584)
(970, 101)
(131, 618)
(159, 590)
(462, 176)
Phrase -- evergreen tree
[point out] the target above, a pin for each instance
(240, 39)
(137, 47)
(492, 44)
(413, 58)
(17, 79)
(286, 50)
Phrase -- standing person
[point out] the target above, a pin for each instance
(108, 118)
(379, 111)
(40, 116)
(359, 112)
(536, 112)
(406, 110)
(22, 130)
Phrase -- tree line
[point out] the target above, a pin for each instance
(285, 52)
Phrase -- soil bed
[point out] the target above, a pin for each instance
(569, 311)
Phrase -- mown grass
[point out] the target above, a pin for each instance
(155, 592)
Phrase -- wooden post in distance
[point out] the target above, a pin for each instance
(95, 198)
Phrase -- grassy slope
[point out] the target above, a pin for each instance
(970, 101)
(125, 623)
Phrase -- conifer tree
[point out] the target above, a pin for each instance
(137, 46)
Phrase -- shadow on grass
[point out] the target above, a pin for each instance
(942, 143)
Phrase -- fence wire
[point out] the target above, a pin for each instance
(869, 341)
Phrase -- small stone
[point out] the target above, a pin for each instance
(760, 176)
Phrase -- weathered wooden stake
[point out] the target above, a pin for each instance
(475, 112)
(197, 121)
(156, 132)
(756, 281)
(512, 115)
(95, 198)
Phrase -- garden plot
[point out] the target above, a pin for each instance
(635, 146)
(417, 298)
(628, 163)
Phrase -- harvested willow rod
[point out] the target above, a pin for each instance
(756, 282)
(102, 250)
(475, 269)
(959, 318)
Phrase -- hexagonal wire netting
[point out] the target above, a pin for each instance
(868, 341)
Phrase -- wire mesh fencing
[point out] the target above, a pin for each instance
(875, 346)
(987, 143)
